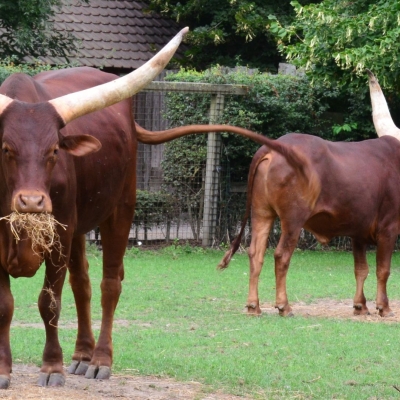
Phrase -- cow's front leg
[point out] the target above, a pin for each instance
(361, 272)
(81, 287)
(6, 313)
(52, 372)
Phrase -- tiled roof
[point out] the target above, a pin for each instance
(112, 33)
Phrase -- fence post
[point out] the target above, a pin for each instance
(212, 175)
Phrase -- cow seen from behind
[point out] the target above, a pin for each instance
(334, 189)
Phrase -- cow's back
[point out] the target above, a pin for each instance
(359, 181)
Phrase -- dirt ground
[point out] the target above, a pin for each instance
(23, 384)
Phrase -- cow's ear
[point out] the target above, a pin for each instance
(79, 145)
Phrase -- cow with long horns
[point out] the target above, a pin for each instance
(336, 189)
(68, 141)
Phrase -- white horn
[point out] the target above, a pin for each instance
(383, 121)
(4, 102)
(74, 105)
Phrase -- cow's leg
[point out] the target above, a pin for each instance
(114, 237)
(385, 247)
(52, 373)
(6, 313)
(80, 283)
(260, 228)
(361, 272)
(283, 253)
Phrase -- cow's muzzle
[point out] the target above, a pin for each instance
(31, 202)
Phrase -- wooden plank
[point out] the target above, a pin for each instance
(240, 90)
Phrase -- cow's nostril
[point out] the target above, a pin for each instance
(31, 203)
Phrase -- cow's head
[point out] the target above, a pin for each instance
(30, 132)
(383, 121)
(30, 144)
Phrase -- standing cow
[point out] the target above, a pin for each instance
(338, 189)
(68, 141)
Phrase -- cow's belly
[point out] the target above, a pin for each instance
(324, 226)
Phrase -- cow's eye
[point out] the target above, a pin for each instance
(5, 150)
(55, 152)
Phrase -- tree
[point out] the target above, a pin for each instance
(337, 40)
(228, 32)
(27, 29)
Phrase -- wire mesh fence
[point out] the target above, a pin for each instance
(185, 188)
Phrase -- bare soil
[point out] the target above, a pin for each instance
(24, 377)
(343, 309)
(23, 384)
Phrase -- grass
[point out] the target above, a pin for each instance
(181, 318)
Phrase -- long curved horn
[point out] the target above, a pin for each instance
(74, 105)
(383, 121)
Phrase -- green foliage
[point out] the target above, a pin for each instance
(230, 33)
(274, 106)
(336, 40)
(28, 30)
(9, 67)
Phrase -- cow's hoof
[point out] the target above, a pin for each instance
(78, 367)
(51, 380)
(95, 372)
(104, 373)
(360, 309)
(56, 380)
(285, 311)
(4, 381)
(385, 312)
(253, 309)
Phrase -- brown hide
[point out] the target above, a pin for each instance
(359, 197)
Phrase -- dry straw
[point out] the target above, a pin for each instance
(41, 228)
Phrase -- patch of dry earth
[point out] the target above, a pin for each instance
(343, 309)
(23, 386)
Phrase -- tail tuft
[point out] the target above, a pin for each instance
(226, 259)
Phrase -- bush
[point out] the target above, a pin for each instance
(9, 67)
(152, 209)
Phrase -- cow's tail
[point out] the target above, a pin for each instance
(294, 157)
(258, 157)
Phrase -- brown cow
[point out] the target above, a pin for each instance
(357, 195)
(46, 123)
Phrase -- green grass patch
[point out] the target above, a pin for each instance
(181, 318)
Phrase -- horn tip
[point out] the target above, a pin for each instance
(184, 31)
(370, 74)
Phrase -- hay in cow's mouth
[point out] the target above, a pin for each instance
(41, 228)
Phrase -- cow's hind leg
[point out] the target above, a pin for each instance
(283, 253)
(80, 283)
(361, 272)
(384, 252)
(260, 228)
(114, 237)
